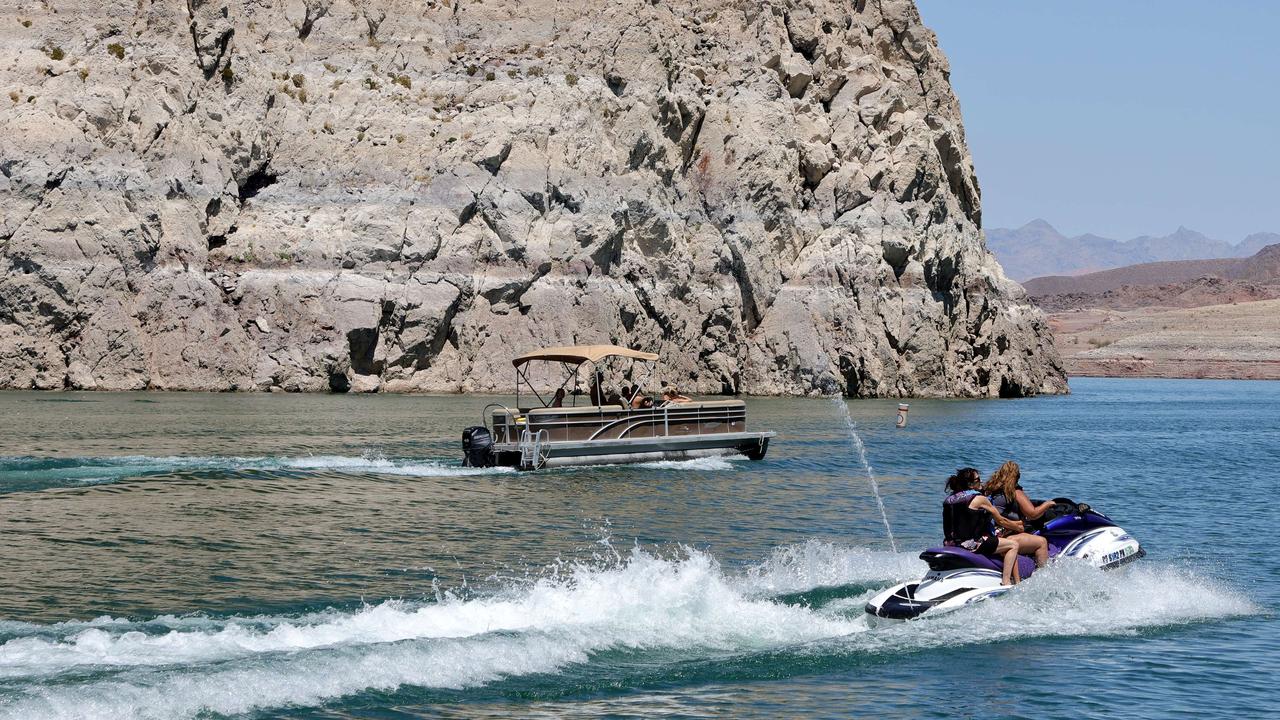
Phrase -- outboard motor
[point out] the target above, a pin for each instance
(477, 447)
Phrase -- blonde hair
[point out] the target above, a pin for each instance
(1004, 481)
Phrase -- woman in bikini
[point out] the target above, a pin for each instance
(1007, 497)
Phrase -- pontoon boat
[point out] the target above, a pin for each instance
(567, 426)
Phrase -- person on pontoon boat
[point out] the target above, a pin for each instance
(639, 400)
(969, 521)
(558, 400)
(670, 395)
(1007, 496)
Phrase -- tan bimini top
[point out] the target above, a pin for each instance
(583, 353)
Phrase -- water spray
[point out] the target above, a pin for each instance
(856, 441)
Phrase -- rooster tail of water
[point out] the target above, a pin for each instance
(856, 441)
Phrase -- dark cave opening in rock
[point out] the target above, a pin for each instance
(256, 183)
(1011, 389)
(338, 382)
(362, 343)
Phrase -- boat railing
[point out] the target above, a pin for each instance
(507, 417)
(615, 422)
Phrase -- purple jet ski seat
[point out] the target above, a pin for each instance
(957, 558)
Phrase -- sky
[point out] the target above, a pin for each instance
(1121, 118)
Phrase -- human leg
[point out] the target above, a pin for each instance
(1008, 549)
(1029, 544)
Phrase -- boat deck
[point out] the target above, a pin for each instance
(545, 437)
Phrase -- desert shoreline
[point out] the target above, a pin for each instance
(1230, 341)
(1175, 370)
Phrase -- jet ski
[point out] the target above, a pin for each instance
(957, 577)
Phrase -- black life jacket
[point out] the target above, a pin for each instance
(1007, 507)
(959, 523)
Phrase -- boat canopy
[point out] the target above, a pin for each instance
(578, 354)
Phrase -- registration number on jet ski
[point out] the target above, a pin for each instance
(1117, 555)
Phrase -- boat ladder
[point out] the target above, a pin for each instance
(533, 454)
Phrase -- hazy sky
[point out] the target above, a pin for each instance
(1120, 118)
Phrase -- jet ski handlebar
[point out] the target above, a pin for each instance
(1062, 507)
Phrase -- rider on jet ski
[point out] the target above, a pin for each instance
(959, 576)
(1009, 499)
(969, 521)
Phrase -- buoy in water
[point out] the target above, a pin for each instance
(902, 414)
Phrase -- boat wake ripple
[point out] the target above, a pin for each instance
(658, 611)
(24, 473)
(36, 473)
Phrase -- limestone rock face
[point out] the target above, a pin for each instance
(402, 195)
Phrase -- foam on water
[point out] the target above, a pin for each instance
(33, 473)
(815, 564)
(672, 609)
(703, 463)
(20, 473)
(1075, 599)
(372, 463)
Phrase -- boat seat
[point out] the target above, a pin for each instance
(580, 410)
(956, 558)
(711, 403)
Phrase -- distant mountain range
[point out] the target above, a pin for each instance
(1172, 283)
(1262, 266)
(1217, 318)
(1037, 249)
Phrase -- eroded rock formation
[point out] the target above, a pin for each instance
(354, 194)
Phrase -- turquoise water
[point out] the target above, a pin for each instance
(184, 556)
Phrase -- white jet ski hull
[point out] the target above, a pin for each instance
(944, 590)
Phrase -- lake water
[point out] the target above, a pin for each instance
(189, 555)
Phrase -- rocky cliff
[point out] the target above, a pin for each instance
(395, 195)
